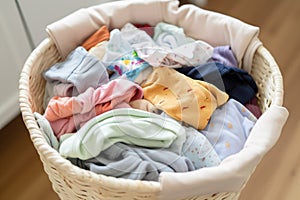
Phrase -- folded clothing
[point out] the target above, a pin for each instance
(170, 36)
(184, 99)
(224, 55)
(145, 105)
(254, 107)
(137, 163)
(102, 34)
(125, 125)
(80, 69)
(199, 150)
(66, 114)
(229, 128)
(190, 54)
(99, 50)
(160, 51)
(122, 42)
(146, 27)
(129, 65)
(46, 130)
(236, 82)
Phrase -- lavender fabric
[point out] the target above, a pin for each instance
(229, 128)
(224, 55)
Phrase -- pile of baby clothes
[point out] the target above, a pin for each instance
(140, 100)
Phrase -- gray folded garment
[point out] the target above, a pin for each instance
(133, 162)
(74, 75)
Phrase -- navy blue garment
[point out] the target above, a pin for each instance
(236, 82)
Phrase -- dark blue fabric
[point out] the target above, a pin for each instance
(236, 82)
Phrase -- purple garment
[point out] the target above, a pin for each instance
(224, 55)
(254, 108)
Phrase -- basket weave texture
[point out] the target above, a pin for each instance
(71, 182)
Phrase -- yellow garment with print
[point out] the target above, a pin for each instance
(184, 99)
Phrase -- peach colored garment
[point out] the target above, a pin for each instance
(99, 50)
(66, 114)
(143, 104)
(102, 34)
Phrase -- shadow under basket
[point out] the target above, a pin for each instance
(72, 182)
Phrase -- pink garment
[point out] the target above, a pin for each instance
(146, 27)
(66, 114)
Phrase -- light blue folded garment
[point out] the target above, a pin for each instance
(229, 128)
(197, 148)
(133, 162)
(80, 69)
(122, 42)
(46, 130)
(170, 36)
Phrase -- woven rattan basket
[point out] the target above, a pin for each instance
(71, 182)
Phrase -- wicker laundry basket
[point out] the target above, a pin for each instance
(71, 182)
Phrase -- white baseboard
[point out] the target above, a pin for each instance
(9, 110)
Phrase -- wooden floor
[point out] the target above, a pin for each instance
(278, 175)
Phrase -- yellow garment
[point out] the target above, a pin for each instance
(184, 99)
